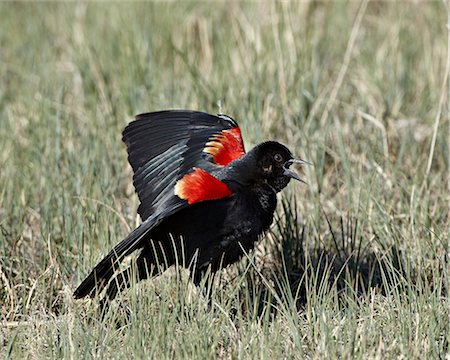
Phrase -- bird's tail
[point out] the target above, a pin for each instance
(104, 270)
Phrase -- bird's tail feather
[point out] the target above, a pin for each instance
(99, 277)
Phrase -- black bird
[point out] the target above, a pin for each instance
(202, 198)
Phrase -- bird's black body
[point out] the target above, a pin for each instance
(204, 201)
(213, 233)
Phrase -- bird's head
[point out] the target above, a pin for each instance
(272, 161)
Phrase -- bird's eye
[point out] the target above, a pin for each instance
(278, 158)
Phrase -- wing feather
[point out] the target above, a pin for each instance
(164, 146)
(167, 148)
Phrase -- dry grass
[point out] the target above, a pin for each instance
(358, 264)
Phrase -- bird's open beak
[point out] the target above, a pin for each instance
(292, 174)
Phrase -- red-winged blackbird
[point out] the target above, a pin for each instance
(203, 199)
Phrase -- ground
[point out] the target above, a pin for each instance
(357, 264)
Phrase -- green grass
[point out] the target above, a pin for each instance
(358, 263)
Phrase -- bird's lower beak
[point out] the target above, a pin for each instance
(292, 174)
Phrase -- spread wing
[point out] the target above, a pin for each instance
(173, 153)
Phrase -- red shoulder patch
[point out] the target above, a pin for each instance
(225, 146)
(200, 185)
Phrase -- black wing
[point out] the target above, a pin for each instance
(163, 147)
(166, 145)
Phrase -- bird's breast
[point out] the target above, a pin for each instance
(251, 215)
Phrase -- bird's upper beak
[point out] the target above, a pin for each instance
(292, 174)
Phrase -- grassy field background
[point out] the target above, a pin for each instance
(358, 263)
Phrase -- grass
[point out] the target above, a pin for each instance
(357, 264)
